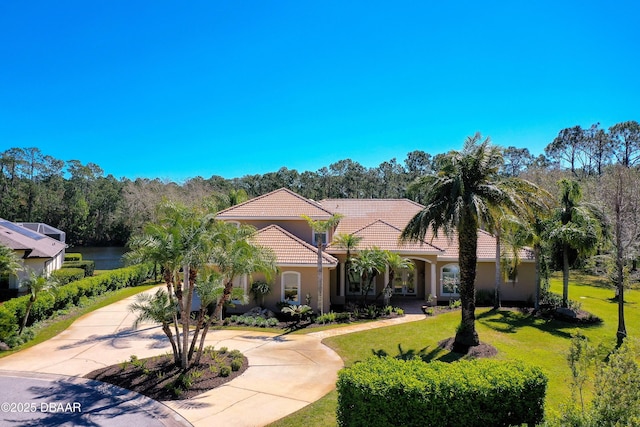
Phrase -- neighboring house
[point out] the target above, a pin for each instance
(40, 247)
(379, 222)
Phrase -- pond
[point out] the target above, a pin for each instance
(105, 257)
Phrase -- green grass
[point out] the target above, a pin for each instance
(52, 327)
(516, 336)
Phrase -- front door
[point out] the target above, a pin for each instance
(405, 282)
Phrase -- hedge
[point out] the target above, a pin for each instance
(390, 392)
(76, 256)
(67, 275)
(88, 266)
(12, 311)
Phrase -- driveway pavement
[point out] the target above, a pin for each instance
(286, 373)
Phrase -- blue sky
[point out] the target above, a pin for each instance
(181, 89)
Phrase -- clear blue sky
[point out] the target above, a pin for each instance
(179, 89)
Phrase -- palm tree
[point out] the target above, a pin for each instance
(367, 265)
(575, 225)
(465, 193)
(395, 263)
(37, 283)
(9, 262)
(320, 227)
(234, 255)
(157, 308)
(348, 242)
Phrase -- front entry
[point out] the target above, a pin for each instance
(405, 283)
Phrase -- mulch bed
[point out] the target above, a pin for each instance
(159, 376)
(475, 352)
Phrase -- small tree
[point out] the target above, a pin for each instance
(395, 263)
(9, 262)
(367, 265)
(36, 284)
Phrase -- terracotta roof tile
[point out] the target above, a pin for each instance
(289, 249)
(361, 212)
(282, 203)
(385, 236)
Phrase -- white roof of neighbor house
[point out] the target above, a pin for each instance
(289, 249)
(34, 244)
(279, 204)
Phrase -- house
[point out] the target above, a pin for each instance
(378, 222)
(40, 247)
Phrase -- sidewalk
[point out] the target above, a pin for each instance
(286, 372)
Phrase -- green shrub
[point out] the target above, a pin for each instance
(485, 298)
(225, 371)
(236, 364)
(68, 275)
(88, 266)
(386, 391)
(76, 292)
(70, 257)
(329, 317)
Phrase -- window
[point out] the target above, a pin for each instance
(450, 280)
(240, 283)
(291, 287)
(322, 237)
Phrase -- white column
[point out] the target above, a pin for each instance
(433, 280)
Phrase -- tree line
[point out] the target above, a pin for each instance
(103, 210)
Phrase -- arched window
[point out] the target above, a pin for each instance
(450, 280)
(291, 287)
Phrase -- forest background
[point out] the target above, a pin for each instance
(94, 209)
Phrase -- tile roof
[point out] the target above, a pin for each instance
(35, 244)
(359, 213)
(289, 249)
(385, 236)
(280, 204)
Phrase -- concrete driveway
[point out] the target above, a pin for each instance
(286, 372)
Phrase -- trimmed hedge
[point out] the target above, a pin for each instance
(389, 392)
(76, 256)
(67, 275)
(88, 266)
(12, 311)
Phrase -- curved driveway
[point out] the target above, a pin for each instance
(286, 372)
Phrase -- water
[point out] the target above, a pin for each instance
(106, 257)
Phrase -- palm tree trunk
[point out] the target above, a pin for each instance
(537, 254)
(466, 336)
(496, 296)
(565, 275)
(320, 278)
(26, 315)
(185, 312)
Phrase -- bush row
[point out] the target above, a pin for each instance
(73, 256)
(88, 266)
(68, 275)
(12, 311)
(391, 392)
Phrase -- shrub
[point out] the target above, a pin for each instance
(236, 364)
(225, 371)
(386, 391)
(88, 266)
(70, 257)
(68, 275)
(455, 303)
(485, 298)
(47, 304)
(329, 317)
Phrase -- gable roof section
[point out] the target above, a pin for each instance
(358, 213)
(279, 204)
(289, 249)
(385, 236)
(34, 244)
(486, 246)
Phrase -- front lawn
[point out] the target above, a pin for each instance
(516, 336)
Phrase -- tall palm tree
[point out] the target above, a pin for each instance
(348, 242)
(320, 227)
(464, 194)
(157, 308)
(575, 225)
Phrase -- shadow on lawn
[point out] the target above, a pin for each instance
(437, 353)
(509, 321)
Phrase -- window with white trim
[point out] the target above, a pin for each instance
(450, 280)
(322, 236)
(291, 287)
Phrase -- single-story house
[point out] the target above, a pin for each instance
(378, 222)
(40, 248)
